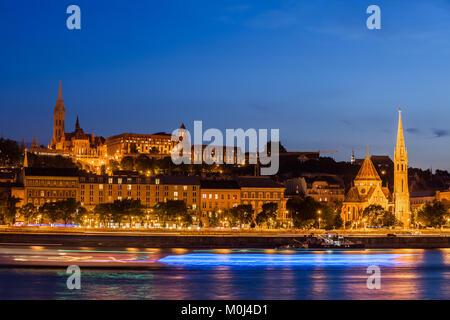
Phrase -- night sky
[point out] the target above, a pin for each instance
(310, 68)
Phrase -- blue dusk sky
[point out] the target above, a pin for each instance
(310, 68)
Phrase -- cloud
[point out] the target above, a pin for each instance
(414, 131)
(346, 122)
(439, 133)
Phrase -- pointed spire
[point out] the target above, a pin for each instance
(60, 90)
(400, 138)
(182, 126)
(367, 170)
(25, 160)
(77, 124)
(35, 144)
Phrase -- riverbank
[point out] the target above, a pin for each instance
(208, 239)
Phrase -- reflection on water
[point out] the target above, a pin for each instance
(243, 274)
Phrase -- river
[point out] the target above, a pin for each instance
(39, 272)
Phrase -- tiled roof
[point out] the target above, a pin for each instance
(367, 171)
(178, 180)
(258, 182)
(51, 172)
(219, 184)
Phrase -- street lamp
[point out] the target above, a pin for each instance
(319, 212)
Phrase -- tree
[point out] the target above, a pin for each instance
(143, 163)
(432, 214)
(338, 222)
(173, 210)
(213, 220)
(268, 215)
(377, 216)
(104, 212)
(58, 161)
(28, 211)
(304, 211)
(127, 163)
(11, 210)
(241, 214)
(66, 210)
(10, 152)
(114, 165)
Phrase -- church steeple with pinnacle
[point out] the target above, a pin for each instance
(401, 192)
(59, 117)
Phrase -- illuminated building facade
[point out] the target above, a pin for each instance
(153, 145)
(43, 185)
(368, 190)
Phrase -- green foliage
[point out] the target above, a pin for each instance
(267, 217)
(127, 163)
(120, 211)
(306, 213)
(303, 210)
(241, 214)
(338, 222)
(114, 165)
(173, 210)
(376, 216)
(29, 211)
(50, 161)
(432, 214)
(213, 220)
(66, 210)
(10, 152)
(10, 212)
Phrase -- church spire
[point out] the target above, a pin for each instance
(25, 160)
(34, 144)
(401, 190)
(400, 138)
(60, 91)
(77, 124)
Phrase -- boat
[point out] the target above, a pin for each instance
(329, 240)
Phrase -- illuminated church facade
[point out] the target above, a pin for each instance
(77, 142)
(367, 188)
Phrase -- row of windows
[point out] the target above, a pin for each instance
(49, 183)
(52, 193)
(217, 196)
(255, 195)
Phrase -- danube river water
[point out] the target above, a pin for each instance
(39, 272)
